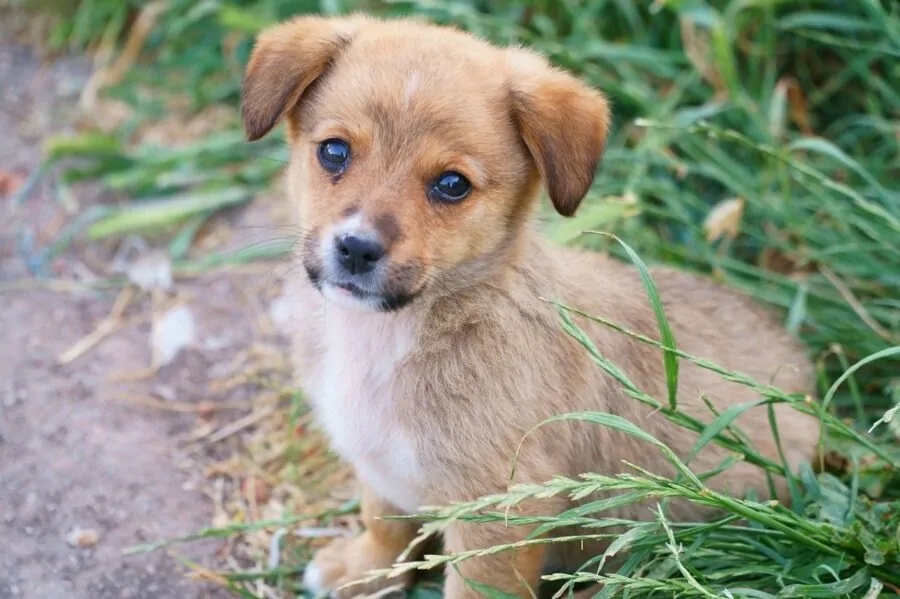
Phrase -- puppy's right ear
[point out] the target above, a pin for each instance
(285, 60)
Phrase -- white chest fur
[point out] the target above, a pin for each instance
(355, 397)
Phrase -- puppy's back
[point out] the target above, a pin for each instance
(709, 322)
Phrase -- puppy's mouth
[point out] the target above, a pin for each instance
(354, 290)
(351, 295)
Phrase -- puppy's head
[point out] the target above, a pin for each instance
(417, 151)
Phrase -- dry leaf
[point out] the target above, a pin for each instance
(698, 48)
(151, 272)
(724, 220)
(789, 92)
(172, 332)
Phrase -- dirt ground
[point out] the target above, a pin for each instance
(75, 455)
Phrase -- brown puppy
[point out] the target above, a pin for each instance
(417, 157)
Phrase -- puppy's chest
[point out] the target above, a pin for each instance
(357, 400)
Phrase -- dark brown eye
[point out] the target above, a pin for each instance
(450, 187)
(334, 155)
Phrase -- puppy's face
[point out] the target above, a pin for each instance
(416, 151)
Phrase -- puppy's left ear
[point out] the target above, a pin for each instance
(564, 124)
(285, 60)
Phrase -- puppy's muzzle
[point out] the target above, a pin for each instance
(357, 255)
(352, 265)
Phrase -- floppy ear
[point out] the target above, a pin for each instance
(564, 124)
(285, 60)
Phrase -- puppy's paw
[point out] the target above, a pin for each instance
(347, 561)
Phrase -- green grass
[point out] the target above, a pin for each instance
(792, 106)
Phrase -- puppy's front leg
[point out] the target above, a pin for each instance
(515, 571)
(347, 560)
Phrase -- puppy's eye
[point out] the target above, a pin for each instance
(450, 187)
(334, 155)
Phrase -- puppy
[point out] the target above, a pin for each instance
(418, 155)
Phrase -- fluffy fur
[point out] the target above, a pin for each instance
(428, 402)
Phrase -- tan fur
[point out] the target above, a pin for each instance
(429, 402)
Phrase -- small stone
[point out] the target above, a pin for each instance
(82, 538)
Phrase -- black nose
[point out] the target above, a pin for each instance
(358, 255)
